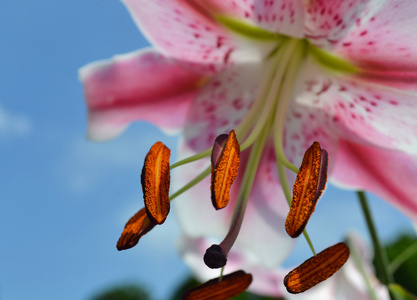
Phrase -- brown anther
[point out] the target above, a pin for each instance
(317, 269)
(135, 228)
(309, 185)
(230, 286)
(155, 183)
(225, 158)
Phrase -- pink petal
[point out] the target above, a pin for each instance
(222, 103)
(303, 127)
(385, 41)
(358, 110)
(142, 85)
(307, 120)
(389, 174)
(185, 30)
(326, 22)
(267, 282)
(355, 121)
(263, 232)
(280, 16)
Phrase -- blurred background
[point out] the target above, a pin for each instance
(64, 200)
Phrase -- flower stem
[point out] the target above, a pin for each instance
(381, 259)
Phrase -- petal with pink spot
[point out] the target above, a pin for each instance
(385, 40)
(141, 85)
(186, 30)
(326, 22)
(361, 111)
(222, 103)
(279, 16)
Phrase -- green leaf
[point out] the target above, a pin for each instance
(404, 273)
(123, 292)
(400, 293)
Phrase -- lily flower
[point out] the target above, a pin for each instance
(283, 74)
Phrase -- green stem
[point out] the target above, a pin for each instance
(381, 259)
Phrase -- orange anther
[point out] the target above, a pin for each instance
(317, 269)
(225, 158)
(155, 183)
(309, 185)
(230, 286)
(135, 228)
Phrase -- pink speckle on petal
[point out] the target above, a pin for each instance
(210, 108)
(216, 83)
(227, 55)
(238, 103)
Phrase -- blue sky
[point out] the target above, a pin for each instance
(64, 199)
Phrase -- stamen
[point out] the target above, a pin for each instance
(317, 269)
(230, 286)
(308, 187)
(135, 228)
(225, 160)
(155, 183)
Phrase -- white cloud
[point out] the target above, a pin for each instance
(12, 124)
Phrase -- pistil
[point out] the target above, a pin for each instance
(216, 255)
